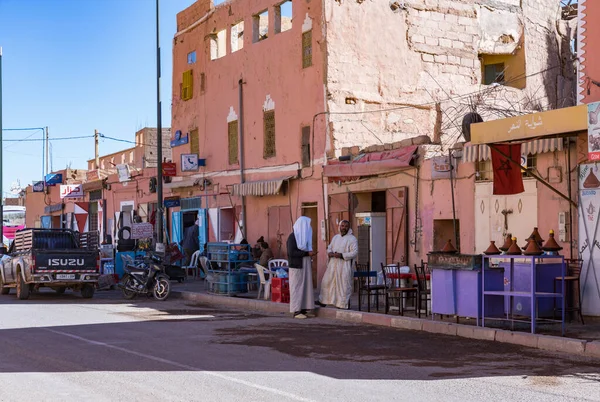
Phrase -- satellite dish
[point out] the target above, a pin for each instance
(469, 119)
(15, 188)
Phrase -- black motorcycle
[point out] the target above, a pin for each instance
(147, 278)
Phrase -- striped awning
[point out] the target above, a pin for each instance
(482, 152)
(259, 188)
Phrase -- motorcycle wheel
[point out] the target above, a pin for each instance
(162, 288)
(128, 281)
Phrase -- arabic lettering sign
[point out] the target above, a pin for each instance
(172, 202)
(92, 175)
(38, 187)
(141, 230)
(535, 125)
(71, 190)
(593, 131)
(169, 169)
(53, 179)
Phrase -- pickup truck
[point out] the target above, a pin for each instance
(54, 258)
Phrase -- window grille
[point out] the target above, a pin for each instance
(194, 142)
(306, 146)
(232, 129)
(307, 49)
(269, 134)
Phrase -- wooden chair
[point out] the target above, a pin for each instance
(391, 279)
(364, 277)
(574, 267)
(423, 293)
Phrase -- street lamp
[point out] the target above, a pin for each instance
(159, 156)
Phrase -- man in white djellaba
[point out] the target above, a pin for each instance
(336, 286)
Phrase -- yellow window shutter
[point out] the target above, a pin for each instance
(187, 88)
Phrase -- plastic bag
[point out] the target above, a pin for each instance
(281, 273)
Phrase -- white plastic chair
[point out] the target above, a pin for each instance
(265, 284)
(276, 263)
(193, 267)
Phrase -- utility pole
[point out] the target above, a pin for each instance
(96, 154)
(159, 157)
(1, 161)
(47, 154)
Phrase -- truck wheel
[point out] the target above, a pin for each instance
(3, 290)
(61, 290)
(22, 288)
(87, 291)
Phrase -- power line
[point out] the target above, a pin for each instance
(51, 139)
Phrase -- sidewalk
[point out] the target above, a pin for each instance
(582, 340)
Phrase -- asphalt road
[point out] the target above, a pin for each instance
(63, 348)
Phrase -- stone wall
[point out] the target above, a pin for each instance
(422, 58)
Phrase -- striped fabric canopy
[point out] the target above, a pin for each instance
(474, 153)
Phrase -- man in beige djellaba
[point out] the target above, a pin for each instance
(336, 286)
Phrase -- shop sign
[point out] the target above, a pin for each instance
(53, 208)
(71, 191)
(440, 167)
(38, 187)
(169, 169)
(92, 175)
(593, 131)
(179, 139)
(172, 202)
(53, 179)
(142, 230)
(189, 162)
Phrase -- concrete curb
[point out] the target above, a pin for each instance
(545, 342)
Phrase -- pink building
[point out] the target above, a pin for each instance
(269, 107)
(247, 84)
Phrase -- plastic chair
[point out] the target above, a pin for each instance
(276, 263)
(193, 267)
(265, 284)
(203, 266)
(574, 267)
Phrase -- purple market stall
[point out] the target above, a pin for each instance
(456, 285)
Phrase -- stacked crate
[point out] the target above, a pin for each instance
(280, 290)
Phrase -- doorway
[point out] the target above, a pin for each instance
(310, 210)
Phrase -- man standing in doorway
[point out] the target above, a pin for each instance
(191, 241)
(336, 287)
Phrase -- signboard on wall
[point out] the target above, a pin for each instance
(71, 191)
(440, 167)
(179, 139)
(593, 131)
(169, 169)
(91, 175)
(142, 230)
(123, 172)
(38, 187)
(172, 202)
(53, 179)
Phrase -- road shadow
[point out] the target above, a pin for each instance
(164, 336)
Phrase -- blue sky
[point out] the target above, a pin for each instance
(76, 66)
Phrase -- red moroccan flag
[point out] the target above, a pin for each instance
(507, 175)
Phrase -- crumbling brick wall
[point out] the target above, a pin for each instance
(421, 57)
